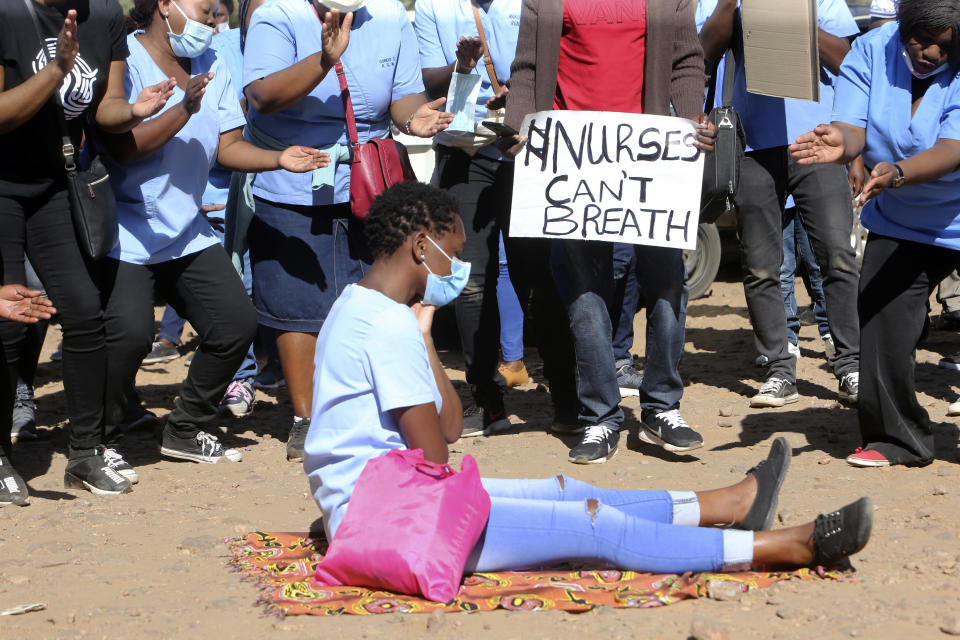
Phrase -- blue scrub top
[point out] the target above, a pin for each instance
(381, 64)
(441, 23)
(227, 46)
(874, 92)
(775, 122)
(159, 196)
(370, 359)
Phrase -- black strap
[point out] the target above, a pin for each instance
(729, 70)
(69, 153)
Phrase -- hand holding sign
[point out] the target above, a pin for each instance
(616, 177)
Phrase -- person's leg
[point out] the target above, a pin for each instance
(626, 297)
(822, 193)
(297, 350)
(205, 289)
(760, 203)
(788, 275)
(238, 400)
(511, 313)
(813, 279)
(171, 326)
(948, 295)
(895, 283)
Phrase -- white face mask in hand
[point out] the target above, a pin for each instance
(922, 76)
(462, 102)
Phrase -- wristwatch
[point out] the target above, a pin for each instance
(899, 180)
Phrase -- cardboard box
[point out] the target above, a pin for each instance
(781, 52)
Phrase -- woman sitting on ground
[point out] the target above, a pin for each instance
(898, 103)
(379, 385)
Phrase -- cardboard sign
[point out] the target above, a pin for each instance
(617, 177)
(781, 54)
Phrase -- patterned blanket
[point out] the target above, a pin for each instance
(283, 565)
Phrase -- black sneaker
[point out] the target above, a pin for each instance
(850, 387)
(116, 462)
(770, 474)
(598, 445)
(24, 425)
(203, 447)
(483, 421)
(96, 476)
(629, 379)
(669, 430)
(775, 392)
(297, 438)
(13, 490)
(842, 533)
(162, 351)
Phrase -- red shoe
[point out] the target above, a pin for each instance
(868, 458)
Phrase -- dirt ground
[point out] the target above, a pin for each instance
(152, 564)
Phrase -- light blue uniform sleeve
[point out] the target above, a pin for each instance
(428, 37)
(852, 88)
(407, 78)
(271, 44)
(401, 372)
(229, 113)
(835, 18)
(950, 120)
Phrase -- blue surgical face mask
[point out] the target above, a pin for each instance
(194, 40)
(922, 76)
(462, 103)
(443, 290)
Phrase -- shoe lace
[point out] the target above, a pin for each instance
(25, 396)
(773, 385)
(828, 525)
(112, 458)
(238, 391)
(209, 444)
(852, 379)
(673, 419)
(596, 434)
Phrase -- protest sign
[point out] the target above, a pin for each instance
(618, 177)
(780, 48)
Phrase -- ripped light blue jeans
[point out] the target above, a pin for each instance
(543, 523)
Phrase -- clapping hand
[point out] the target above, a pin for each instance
(428, 119)
(302, 159)
(20, 304)
(823, 145)
(153, 99)
(67, 44)
(194, 92)
(336, 36)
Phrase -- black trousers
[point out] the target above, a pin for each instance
(42, 228)
(895, 284)
(204, 289)
(483, 187)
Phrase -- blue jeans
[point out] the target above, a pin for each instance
(796, 244)
(584, 274)
(626, 298)
(511, 312)
(542, 523)
(171, 324)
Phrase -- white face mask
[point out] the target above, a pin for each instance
(345, 6)
(921, 76)
(222, 26)
(462, 102)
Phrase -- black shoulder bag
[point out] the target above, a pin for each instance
(92, 202)
(721, 169)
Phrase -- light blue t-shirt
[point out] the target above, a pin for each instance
(227, 46)
(874, 92)
(381, 65)
(159, 196)
(370, 359)
(775, 122)
(439, 26)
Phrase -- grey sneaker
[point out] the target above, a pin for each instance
(297, 438)
(775, 392)
(238, 400)
(162, 351)
(850, 387)
(24, 415)
(598, 445)
(270, 377)
(628, 379)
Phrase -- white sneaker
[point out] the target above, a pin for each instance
(794, 349)
(954, 409)
(829, 349)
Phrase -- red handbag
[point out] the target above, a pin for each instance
(374, 165)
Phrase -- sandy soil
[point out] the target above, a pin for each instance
(152, 563)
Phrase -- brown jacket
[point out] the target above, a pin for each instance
(672, 69)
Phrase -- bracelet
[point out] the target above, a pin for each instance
(406, 125)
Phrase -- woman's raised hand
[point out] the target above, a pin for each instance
(469, 51)
(823, 145)
(153, 99)
(429, 120)
(195, 90)
(336, 36)
(424, 314)
(20, 304)
(67, 44)
(299, 159)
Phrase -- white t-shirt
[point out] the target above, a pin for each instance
(883, 9)
(370, 359)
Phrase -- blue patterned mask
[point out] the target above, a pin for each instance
(443, 290)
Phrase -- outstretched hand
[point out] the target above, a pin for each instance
(20, 304)
(429, 120)
(823, 145)
(153, 99)
(298, 159)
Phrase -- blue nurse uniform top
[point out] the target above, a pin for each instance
(159, 196)
(441, 23)
(381, 65)
(873, 92)
(776, 122)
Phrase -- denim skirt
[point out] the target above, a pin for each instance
(302, 257)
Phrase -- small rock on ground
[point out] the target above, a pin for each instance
(706, 629)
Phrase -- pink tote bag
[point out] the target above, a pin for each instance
(409, 527)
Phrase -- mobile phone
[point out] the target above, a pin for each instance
(502, 130)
